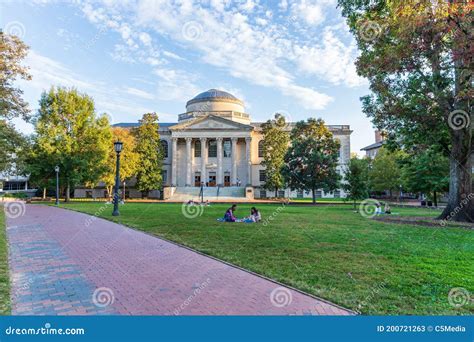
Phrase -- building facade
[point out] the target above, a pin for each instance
(215, 143)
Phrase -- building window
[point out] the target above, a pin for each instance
(263, 194)
(300, 194)
(281, 193)
(164, 176)
(227, 148)
(319, 194)
(212, 153)
(262, 175)
(164, 147)
(197, 148)
(260, 149)
(337, 194)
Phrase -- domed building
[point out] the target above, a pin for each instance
(215, 144)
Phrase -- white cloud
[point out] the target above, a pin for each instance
(259, 51)
(139, 93)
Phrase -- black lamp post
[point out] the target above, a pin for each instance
(57, 184)
(118, 148)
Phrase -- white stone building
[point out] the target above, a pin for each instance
(216, 143)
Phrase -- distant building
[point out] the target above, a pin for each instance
(372, 150)
(215, 144)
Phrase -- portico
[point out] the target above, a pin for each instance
(214, 158)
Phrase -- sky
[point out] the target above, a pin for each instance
(292, 57)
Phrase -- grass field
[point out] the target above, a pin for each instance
(4, 276)
(328, 250)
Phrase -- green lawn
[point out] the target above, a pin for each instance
(327, 250)
(4, 276)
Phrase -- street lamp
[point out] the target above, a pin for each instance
(118, 148)
(57, 184)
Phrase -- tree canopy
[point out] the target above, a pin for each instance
(312, 159)
(150, 153)
(356, 179)
(418, 58)
(275, 144)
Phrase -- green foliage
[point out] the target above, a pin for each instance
(311, 160)
(12, 144)
(150, 153)
(385, 171)
(417, 56)
(12, 52)
(275, 145)
(128, 158)
(69, 134)
(426, 172)
(356, 179)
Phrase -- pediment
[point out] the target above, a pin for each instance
(211, 122)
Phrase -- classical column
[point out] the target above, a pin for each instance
(203, 160)
(234, 161)
(189, 161)
(248, 142)
(219, 161)
(174, 161)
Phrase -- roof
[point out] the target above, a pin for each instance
(373, 146)
(213, 95)
(136, 124)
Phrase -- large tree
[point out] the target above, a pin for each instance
(12, 52)
(356, 179)
(311, 160)
(68, 133)
(275, 144)
(428, 172)
(385, 171)
(418, 56)
(150, 154)
(128, 158)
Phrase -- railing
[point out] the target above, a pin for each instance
(230, 114)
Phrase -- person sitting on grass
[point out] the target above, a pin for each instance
(387, 209)
(255, 215)
(229, 214)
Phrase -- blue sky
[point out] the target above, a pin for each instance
(132, 57)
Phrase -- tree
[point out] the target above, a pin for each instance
(128, 158)
(311, 160)
(69, 134)
(12, 52)
(12, 143)
(417, 56)
(275, 145)
(356, 179)
(150, 154)
(426, 172)
(385, 171)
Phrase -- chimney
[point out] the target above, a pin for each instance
(378, 136)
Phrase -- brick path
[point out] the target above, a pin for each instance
(64, 263)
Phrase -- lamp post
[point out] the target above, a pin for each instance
(118, 148)
(57, 184)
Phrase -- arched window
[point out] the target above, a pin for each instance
(260, 149)
(164, 147)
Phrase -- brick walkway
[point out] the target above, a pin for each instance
(64, 263)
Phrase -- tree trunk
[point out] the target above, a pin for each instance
(461, 199)
(313, 191)
(68, 191)
(44, 193)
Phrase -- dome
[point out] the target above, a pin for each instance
(214, 95)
